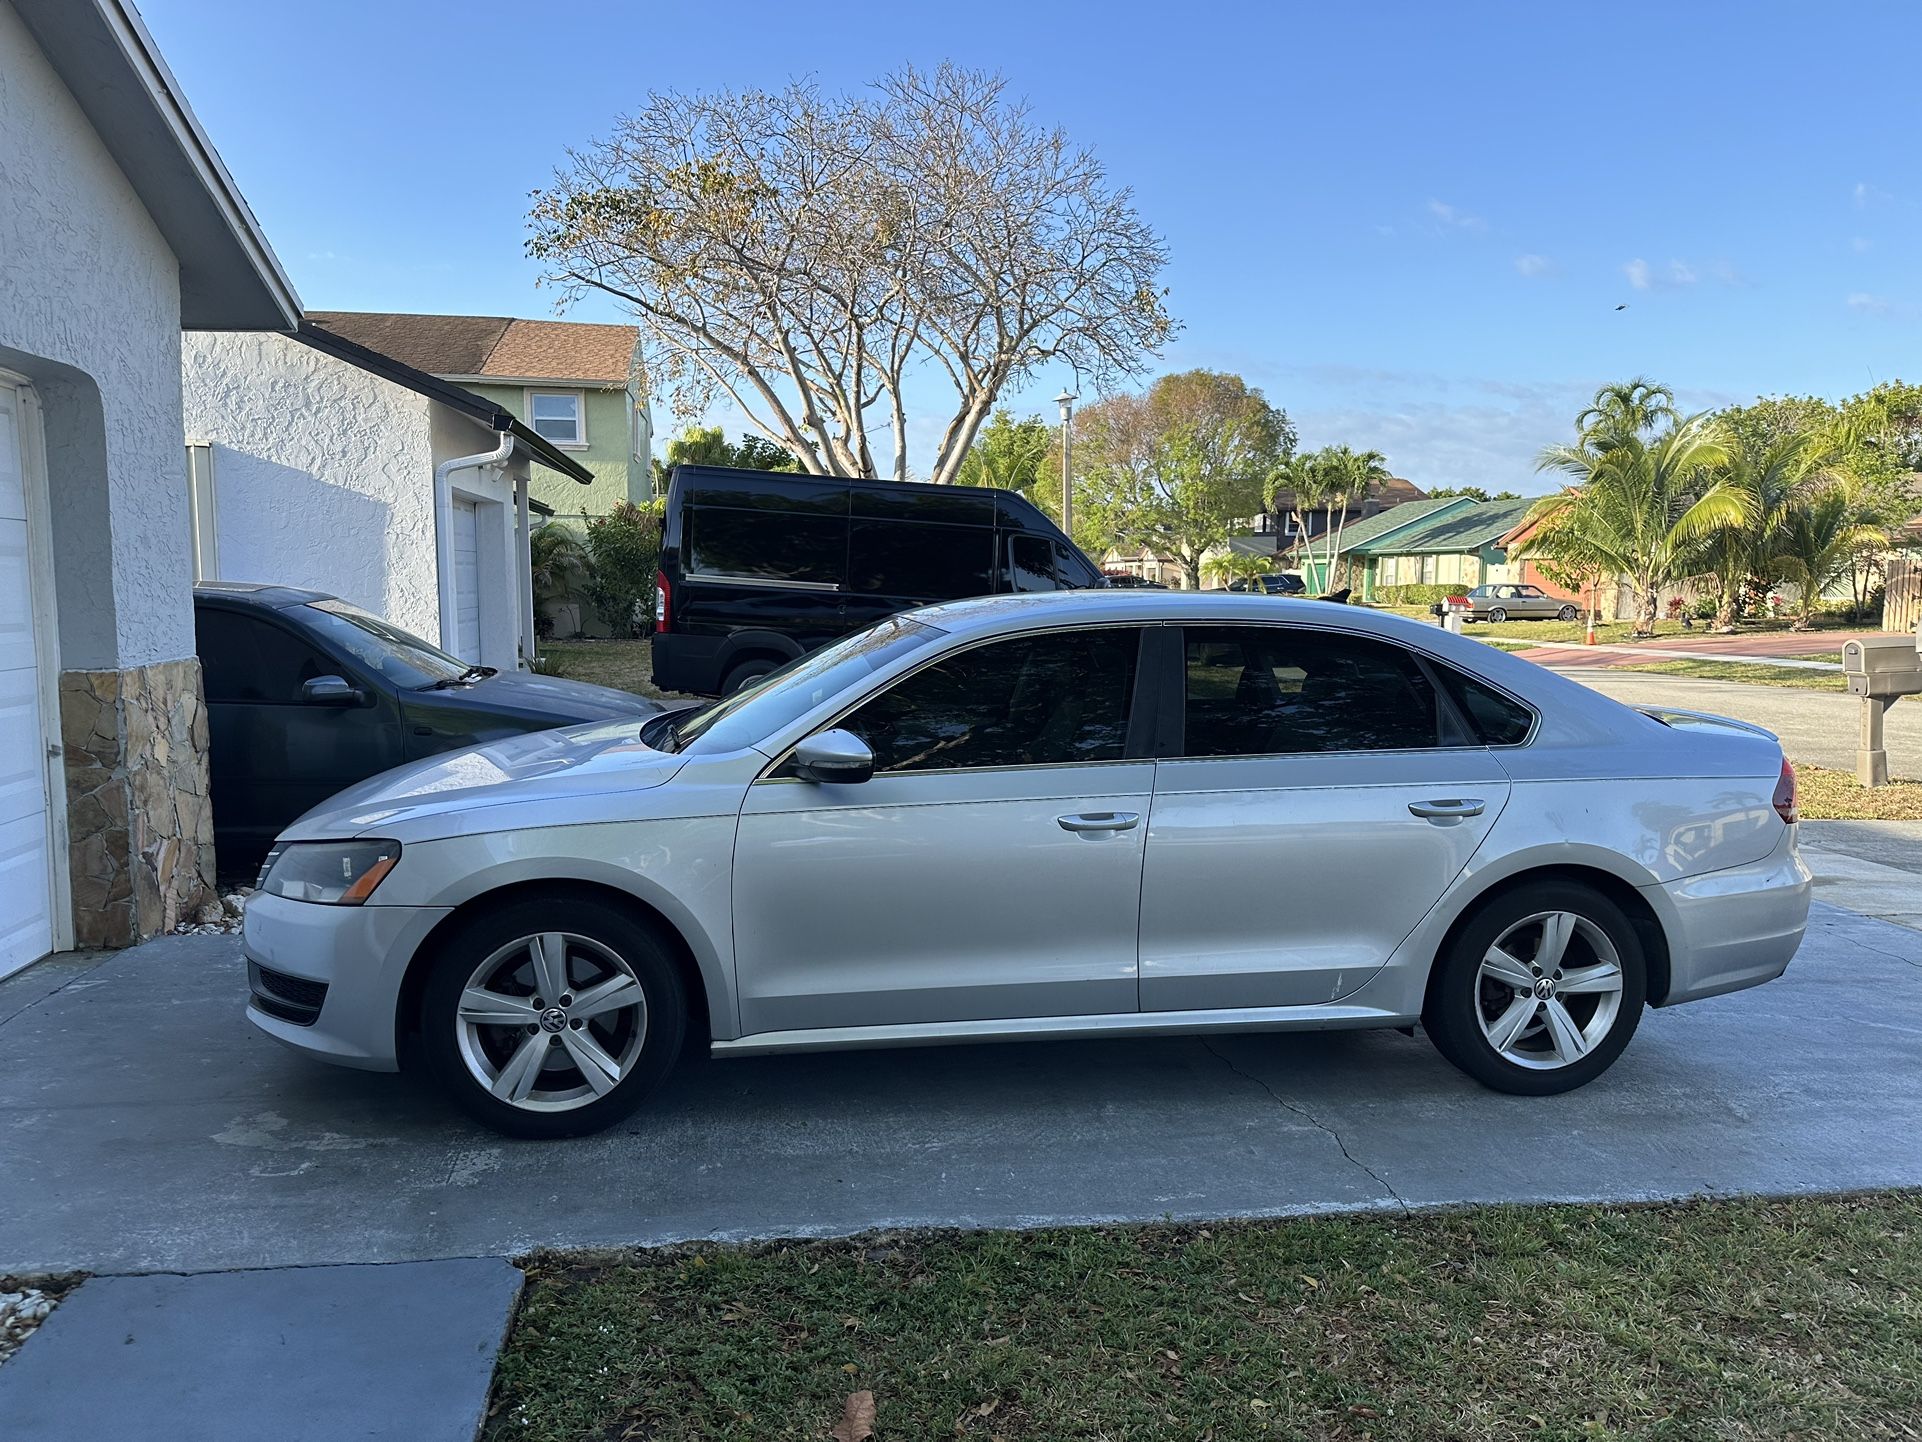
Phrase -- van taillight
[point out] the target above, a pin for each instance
(1785, 793)
(660, 600)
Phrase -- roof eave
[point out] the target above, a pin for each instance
(230, 278)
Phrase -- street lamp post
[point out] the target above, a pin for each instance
(1066, 401)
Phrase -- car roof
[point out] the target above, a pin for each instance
(1133, 603)
(258, 593)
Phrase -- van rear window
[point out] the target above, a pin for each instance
(769, 546)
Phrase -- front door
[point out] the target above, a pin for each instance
(1321, 799)
(990, 869)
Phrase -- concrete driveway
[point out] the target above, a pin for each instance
(148, 1127)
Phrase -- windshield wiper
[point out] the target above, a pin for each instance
(466, 678)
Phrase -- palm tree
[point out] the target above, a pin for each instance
(1821, 533)
(1639, 508)
(1773, 473)
(1355, 476)
(1304, 479)
(1240, 566)
(558, 561)
(1627, 408)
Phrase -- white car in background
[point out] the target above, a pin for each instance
(1090, 813)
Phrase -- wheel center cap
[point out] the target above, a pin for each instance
(554, 1019)
(1544, 989)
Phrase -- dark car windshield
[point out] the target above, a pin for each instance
(759, 710)
(380, 646)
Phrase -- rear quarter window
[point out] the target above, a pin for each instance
(1498, 720)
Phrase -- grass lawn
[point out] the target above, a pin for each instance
(1753, 675)
(621, 664)
(1830, 795)
(1723, 1320)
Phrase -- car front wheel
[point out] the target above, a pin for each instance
(552, 1017)
(1567, 613)
(1540, 991)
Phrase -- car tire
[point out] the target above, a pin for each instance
(1511, 1038)
(559, 1057)
(1497, 615)
(1567, 613)
(747, 672)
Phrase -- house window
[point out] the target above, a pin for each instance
(557, 417)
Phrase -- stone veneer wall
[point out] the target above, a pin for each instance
(139, 824)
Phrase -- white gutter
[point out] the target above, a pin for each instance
(444, 529)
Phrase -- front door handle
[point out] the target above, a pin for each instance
(1100, 821)
(1447, 810)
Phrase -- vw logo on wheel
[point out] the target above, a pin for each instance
(553, 1019)
(1544, 989)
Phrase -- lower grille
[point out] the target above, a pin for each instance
(291, 998)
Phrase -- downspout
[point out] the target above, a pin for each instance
(444, 529)
(524, 571)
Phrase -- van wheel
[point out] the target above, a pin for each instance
(1540, 991)
(746, 673)
(552, 1017)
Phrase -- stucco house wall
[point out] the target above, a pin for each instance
(322, 473)
(90, 315)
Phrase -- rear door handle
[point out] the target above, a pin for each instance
(1447, 810)
(1100, 821)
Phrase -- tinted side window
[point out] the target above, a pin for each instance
(935, 563)
(1269, 690)
(1029, 701)
(1030, 564)
(766, 546)
(243, 659)
(1498, 720)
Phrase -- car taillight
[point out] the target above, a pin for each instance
(1785, 793)
(660, 600)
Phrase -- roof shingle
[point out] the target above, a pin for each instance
(488, 346)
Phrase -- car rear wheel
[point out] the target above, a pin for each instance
(552, 1017)
(746, 673)
(1498, 614)
(1540, 991)
(1567, 613)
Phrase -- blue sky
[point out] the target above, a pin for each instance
(1410, 224)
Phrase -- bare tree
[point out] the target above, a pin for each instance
(809, 257)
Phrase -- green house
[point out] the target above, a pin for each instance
(1398, 520)
(1459, 545)
(573, 383)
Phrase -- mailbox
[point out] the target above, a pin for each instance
(1883, 666)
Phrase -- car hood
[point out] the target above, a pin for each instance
(570, 761)
(553, 697)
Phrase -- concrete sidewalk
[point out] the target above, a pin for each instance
(1870, 867)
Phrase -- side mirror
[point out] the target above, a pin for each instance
(836, 756)
(330, 691)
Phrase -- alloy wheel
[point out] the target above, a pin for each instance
(551, 1022)
(1498, 614)
(1549, 990)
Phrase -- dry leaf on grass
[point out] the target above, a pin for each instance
(857, 1419)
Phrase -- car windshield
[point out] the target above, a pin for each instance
(759, 710)
(380, 646)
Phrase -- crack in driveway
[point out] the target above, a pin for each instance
(1314, 1121)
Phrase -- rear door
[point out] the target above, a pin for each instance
(1321, 796)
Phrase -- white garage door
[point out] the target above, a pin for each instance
(466, 580)
(26, 908)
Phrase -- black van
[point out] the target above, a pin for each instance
(758, 567)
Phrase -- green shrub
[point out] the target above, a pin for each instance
(1418, 595)
(625, 548)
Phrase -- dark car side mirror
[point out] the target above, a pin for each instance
(834, 756)
(330, 691)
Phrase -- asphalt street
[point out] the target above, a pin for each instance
(148, 1127)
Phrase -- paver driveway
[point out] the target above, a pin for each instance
(146, 1126)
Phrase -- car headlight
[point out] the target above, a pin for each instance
(335, 873)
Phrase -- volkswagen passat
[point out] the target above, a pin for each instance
(1066, 815)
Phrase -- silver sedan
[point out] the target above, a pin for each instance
(1068, 815)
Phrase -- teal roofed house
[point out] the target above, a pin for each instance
(1400, 520)
(1457, 544)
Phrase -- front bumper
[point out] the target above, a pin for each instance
(358, 953)
(1738, 927)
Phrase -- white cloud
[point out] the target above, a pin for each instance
(1864, 303)
(1454, 218)
(1867, 195)
(1861, 245)
(1638, 274)
(1680, 273)
(1534, 266)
